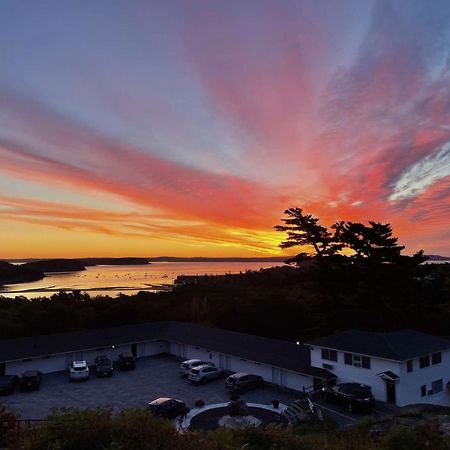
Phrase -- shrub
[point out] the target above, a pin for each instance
(8, 424)
(73, 429)
(401, 439)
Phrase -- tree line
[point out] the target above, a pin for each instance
(374, 242)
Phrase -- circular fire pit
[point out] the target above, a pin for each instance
(217, 417)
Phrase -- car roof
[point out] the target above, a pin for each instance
(79, 363)
(190, 361)
(204, 366)
(238, 375)
(160, 401)
(353, 388)
(7, 377)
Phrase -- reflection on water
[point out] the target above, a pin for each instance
(111, 280)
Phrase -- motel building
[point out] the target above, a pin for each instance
(402, 367)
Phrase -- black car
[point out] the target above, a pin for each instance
(240, 382)
(127, 361)
(103, 366)
(8, 383)
(354, 396)
(30, 380)
(167, 407)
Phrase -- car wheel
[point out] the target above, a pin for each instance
(350, 408)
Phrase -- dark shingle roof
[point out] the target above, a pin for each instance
(275, 352)
(396, 345)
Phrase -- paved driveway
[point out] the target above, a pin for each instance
(154, 377)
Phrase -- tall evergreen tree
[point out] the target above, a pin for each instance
(374, 241)
(304, 229)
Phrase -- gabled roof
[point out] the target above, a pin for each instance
(395, 345)
(275, 352)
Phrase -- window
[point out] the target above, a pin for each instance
(409, 365)
(357, 360)
(423, 390)
(424, 361)
(330, 355)
(437, 386)
(436, 358)
(365, 362)
(328, 366)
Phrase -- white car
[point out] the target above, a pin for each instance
(202, 374)
(189, 364)
(78, 370)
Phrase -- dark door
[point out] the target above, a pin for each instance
(134, 349)
(2, 368)
(317, 384)
(390, 391)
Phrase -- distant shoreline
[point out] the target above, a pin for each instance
(138, 260)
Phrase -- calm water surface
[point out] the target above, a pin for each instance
(111, 280)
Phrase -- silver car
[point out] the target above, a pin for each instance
(189, 364)
(202, 374)
(78, 370)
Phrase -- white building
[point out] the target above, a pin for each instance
(402, 367)
(279, 362)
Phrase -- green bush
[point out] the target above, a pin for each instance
(8, 424)
(401, 439)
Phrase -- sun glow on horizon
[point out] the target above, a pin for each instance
(182, 129)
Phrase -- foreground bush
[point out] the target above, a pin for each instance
(137, 429)
(8, 427)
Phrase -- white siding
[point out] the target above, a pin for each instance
(246, 366)
(152, 348)
(410, 383)
(45, 365)
(297, 381)
(408, 386)
(346, 373)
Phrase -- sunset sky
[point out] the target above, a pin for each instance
(144, 128)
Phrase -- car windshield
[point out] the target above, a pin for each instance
(103, 362)
(195, 371)
(79, 368)
(231, 380)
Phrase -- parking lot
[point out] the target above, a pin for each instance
(154, 377)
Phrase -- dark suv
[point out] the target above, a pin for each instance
(354, 396)
(240, 382)
(30, 380)
(103, 366)
(127, 361)
(8, 383)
